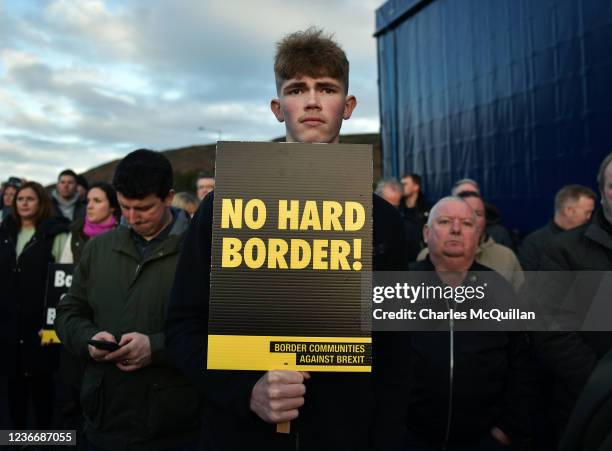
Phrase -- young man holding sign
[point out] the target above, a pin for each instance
(334, 409)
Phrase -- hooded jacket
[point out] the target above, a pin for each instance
(70, 209)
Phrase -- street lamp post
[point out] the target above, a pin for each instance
(208, 129)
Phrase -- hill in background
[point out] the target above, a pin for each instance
(187, 162)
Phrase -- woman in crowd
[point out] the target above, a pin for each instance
(102, 215)
(30, 239)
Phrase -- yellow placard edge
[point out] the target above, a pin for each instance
(252, 353)
(49, 337)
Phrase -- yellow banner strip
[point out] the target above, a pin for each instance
(246, 352)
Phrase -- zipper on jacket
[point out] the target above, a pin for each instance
(451, 323)
(28, 245)
(159, 254)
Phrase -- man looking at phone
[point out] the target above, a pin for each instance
(113, 317)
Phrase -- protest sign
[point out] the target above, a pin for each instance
(292, 236)
(59, 279)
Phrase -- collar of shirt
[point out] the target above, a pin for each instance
(146, 248)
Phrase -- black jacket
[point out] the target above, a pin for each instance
(495, 229)
(571, 356)
(414, 220)
(533, 246)
(80, 209)
(590, 426)
(78, 239)
(491, 379)
(339, 407)
(22, 296)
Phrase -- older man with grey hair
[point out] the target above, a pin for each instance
(463, 185)
(466, 390)
(390, 190)
(452, 234)
(489, 253)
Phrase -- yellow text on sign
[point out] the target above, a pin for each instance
(277, 253)
(324, 215)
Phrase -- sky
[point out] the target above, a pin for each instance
(83, 82)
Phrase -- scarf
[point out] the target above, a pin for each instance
(90, 229)
(66, 206)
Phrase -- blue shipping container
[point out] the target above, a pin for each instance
(516, 94)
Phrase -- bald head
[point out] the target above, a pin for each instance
(434, 210)
(452, 234)
(605, 185)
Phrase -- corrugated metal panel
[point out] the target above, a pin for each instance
(512, 93)
(394, 11)
(295, 302)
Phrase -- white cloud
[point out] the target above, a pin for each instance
(107, 33)
(82, 82)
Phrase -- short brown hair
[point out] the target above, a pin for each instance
(310, 53)
(416, 178)
(572, 193)
(44, 203)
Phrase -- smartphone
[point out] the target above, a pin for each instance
(104, 345)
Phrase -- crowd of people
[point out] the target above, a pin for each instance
(134, 324)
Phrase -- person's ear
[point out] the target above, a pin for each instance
(169, 198)
(349, 105)
(275, 106)
(425, 233)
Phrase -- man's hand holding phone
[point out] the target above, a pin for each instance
(131, 353)
(100, 345)
(134, 352)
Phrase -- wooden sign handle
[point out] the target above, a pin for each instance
(283, 428)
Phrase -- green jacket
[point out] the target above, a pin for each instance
(151, 408)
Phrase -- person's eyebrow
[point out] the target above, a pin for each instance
(327, 84)
(294, 85)
(140, 207)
